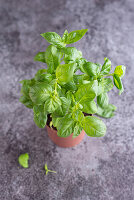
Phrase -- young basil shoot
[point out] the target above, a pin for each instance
(48, 170)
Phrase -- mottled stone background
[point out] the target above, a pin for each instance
(97, 169)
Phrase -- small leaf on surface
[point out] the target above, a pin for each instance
(48, 170)
(23, 160)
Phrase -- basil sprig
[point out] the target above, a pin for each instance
(60, 92)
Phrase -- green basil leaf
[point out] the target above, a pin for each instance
(93, 126)
(26, 101)
(118, 83)
(40, 92)
(102, 100)
(65, 72)
(78, 115)
(91, 69)
(70, 86)
(62, 110)
(85, 91)
(53, 38)
(78, 79)
(80, 63)
(40, 116)
(41, 71)
(120, 70)
(99, 65)
(122, 90)
(55, 120)
(77, 130)
(64, 37)
(26, 84)
(89, 106)
(74, 36)
(70, 97)
(53, 58)
(65, 126)
(106, 112)
(106, 67)
(41, 76)
(105, 85)
(23, 160)
(71, 54)
(44, 78)
(61, 91)
(52, 104)
(40, 57)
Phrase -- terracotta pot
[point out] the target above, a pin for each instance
(64, 142)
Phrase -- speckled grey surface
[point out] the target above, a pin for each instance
(97, 169)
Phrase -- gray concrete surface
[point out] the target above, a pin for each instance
(97, 169)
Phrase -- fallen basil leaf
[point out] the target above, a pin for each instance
(23, 160)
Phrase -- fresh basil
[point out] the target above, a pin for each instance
(52, 104)
(40, 116)
(71, 89)
(64, 37)
(77, 130)
(106, 67)
(78, 115)
(62, 108)
(53, 58)
(85, 92)
(25, 98)
(120, 71)
(53, 38)
(65, 126)
(89, 106)
(105, 85)
(91, 69)
(40, 57)
(107, 111)
(94, 127)
(26, 101)
(71, 54)
(118, 83)
(74, 36)
(23, 160)
(40, 92)
(64, 73)
(102, 100)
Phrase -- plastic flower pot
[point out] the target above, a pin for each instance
(64, 142)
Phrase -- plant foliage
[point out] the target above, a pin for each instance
(60, 92)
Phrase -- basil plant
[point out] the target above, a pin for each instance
(66, 97)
